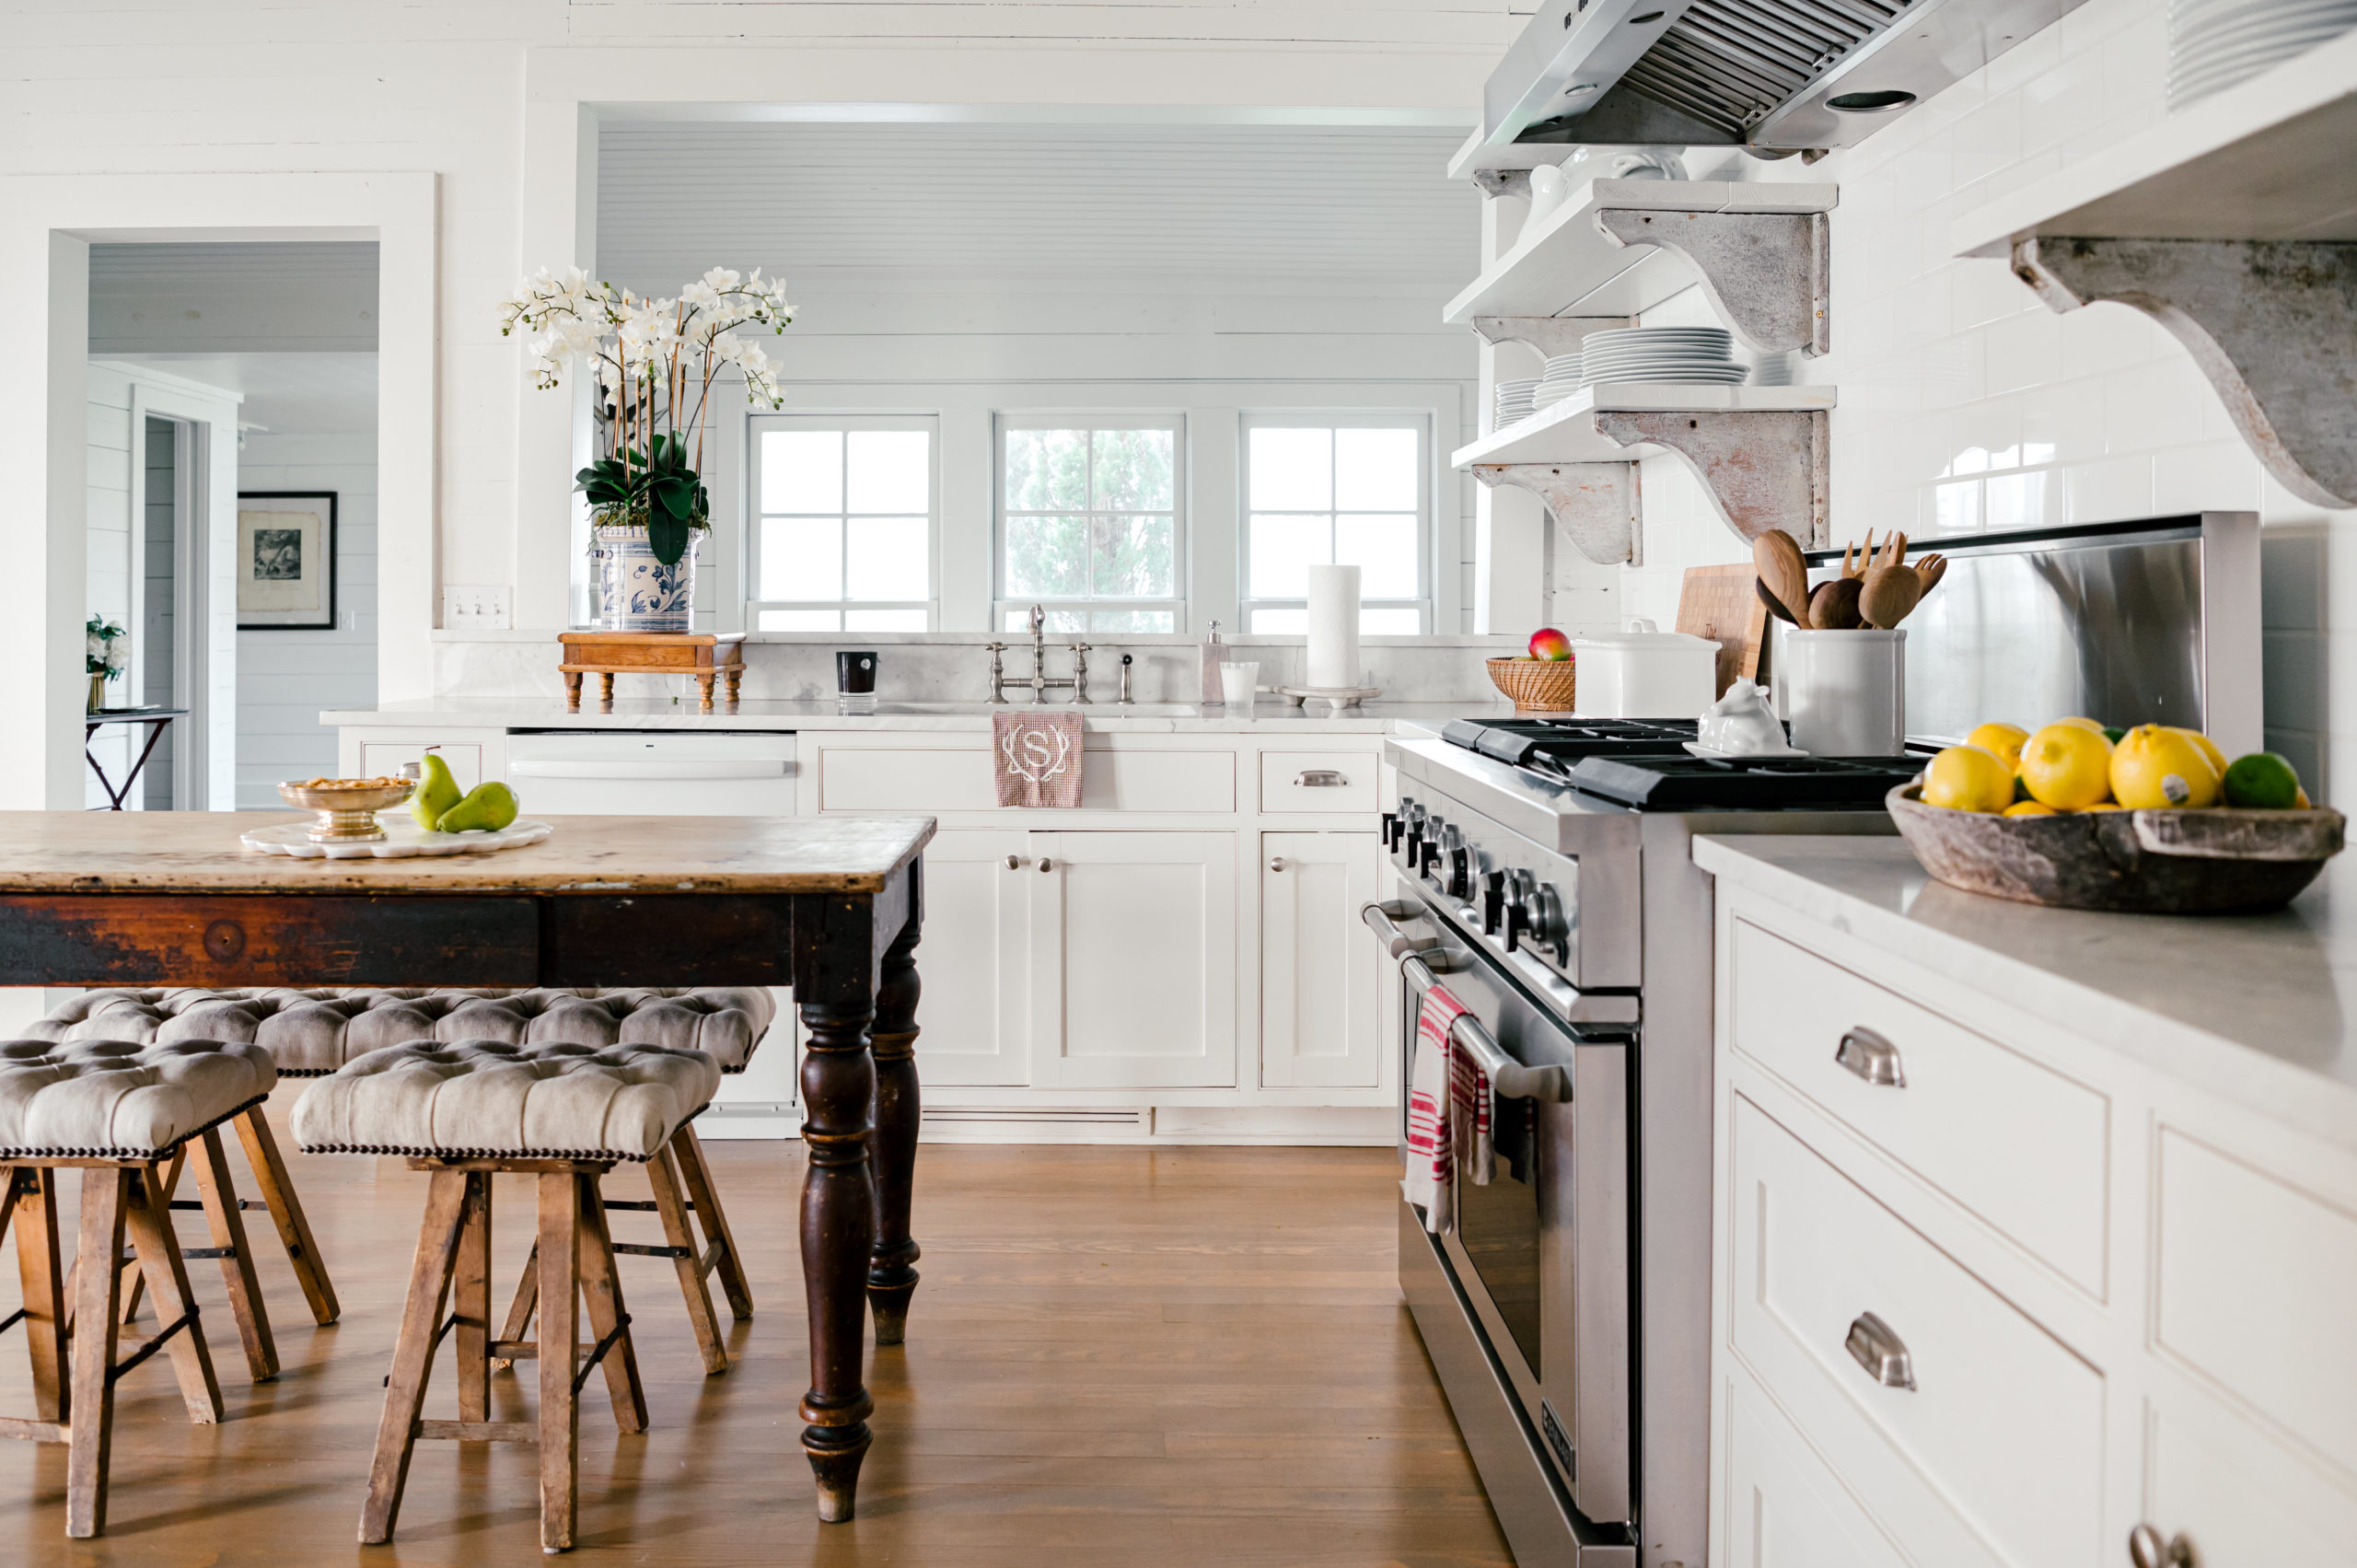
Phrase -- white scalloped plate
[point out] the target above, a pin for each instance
(403, 841)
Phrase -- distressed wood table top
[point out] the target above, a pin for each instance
(84, 852)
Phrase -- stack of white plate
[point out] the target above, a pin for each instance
(1514, 404)
(2215, 43)
(1562, 380)
(1661, 354)
(1773, 370)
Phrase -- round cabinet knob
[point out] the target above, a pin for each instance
(1046, 865)
(1276, 863)
(1014, 863)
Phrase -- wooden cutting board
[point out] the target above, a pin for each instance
(1720, 603)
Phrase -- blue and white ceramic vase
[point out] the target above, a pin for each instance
(632, 591)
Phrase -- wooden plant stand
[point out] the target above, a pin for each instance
(706, 656)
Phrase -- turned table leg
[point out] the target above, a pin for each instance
(703, 689)
(573, 691)
(606, 687)
(890, 1278)
(735, 673)
(838, 1233)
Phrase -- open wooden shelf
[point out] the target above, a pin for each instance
(2274, 157)
(1563, 266)
(1566, 432)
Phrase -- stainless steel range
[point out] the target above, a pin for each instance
(1541, 871)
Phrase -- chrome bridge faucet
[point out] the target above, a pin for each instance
(1039, 683)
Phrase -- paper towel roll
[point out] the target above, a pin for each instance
(1333, 626)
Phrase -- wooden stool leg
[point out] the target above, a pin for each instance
(429, 1282)
(894, 1112)
(663, 1175)
(130, 1291)
(703, 690)
(559, 1352)
(706, 1195)
(286, 1213)
(219, 1194)
(601, 1287)
(471, 1287)
(528, 1296)
(160, 1261)
(573, 691)
(33, 1207)
(99, 1295)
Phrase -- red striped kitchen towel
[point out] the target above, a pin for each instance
(1448, 1113)
(1036, 757)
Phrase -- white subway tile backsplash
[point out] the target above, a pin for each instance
(2293, 564)
(2206, 476)
(2097, 338)
(2108, 490)
(2023, 352)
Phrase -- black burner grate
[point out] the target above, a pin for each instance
(1659, 782)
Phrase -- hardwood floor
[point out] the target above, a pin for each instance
(1118, 1356)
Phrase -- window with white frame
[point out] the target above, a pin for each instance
(1088, 523)
(1341, 490)
(844, 519)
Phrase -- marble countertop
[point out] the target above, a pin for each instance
(1268, 715)
(81, 851)
(2247, 1006)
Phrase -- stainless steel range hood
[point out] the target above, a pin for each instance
(1776, 75)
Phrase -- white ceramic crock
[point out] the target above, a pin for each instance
(1644, 674)
(1843, 692)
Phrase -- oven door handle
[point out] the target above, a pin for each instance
(1509, 1079)
(1395, 942)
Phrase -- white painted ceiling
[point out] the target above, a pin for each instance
(1193, 209)
(286, 394)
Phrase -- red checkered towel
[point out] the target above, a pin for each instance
(1448, 1113)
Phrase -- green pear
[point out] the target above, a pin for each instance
(436, 792)
(488, 806)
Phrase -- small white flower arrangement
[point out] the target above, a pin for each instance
(106, 648)
(654, 361)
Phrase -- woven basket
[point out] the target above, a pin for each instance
(1536, 686)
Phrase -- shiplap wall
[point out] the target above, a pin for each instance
(969, 269)
(284, 678)
(152, 679)
(110, 561)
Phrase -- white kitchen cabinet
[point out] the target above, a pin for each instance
(974, 961)
(1132, 961)
(1319, 985)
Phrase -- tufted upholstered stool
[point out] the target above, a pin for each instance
(465, 1109)
(118, 1109)
(313, 1032)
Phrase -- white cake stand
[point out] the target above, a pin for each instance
(403, 840)
(1336, 698)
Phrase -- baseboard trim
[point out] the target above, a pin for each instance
(1307, 1126)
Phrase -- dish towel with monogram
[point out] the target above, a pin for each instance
(1036, 757)
(1448, 1113)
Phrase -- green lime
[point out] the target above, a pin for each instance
(2113, 735)
(2021, 790)
(2263, 780)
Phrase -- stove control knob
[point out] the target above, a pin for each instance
(1549, 929)
(1428, 858)
(1517, 910)
(1391, 831)
(1493, 901)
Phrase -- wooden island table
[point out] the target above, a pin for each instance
(829, 906)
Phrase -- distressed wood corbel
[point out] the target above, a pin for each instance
(1503, 181)
(1550, 335)
(1593, 505)
(1768, 275)
(1762, 468)
(2272, 324)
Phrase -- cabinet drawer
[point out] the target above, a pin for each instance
(2019, 1144)
(1784, 1509)
(2254, 1283)
(1318, 781)
(1996, 1453)
(870, 778)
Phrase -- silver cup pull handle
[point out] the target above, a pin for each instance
(1882, 1353)
(2146, 1550)
(1871, 1057)
(1322, 778)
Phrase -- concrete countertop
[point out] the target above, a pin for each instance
(1268, 715)
(2247, 1006)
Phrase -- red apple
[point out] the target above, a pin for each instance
(1549, 644)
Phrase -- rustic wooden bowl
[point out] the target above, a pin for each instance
(1536, 686)
(2214, 862)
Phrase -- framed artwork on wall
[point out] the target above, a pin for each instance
(286, 560)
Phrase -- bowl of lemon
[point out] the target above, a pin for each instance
(2154, 818)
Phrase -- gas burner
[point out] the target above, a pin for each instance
(1690, 783)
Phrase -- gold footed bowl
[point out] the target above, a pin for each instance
(346, 808)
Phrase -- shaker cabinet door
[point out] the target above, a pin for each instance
(1319, 987)
(1132, 961)
(973, 961)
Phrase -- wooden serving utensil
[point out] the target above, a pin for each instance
(1776, 556)
(1889, 594)
(1931, 569)
(1834, 608)
(1775, 606)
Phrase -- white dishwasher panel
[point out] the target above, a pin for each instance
(652, 773)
